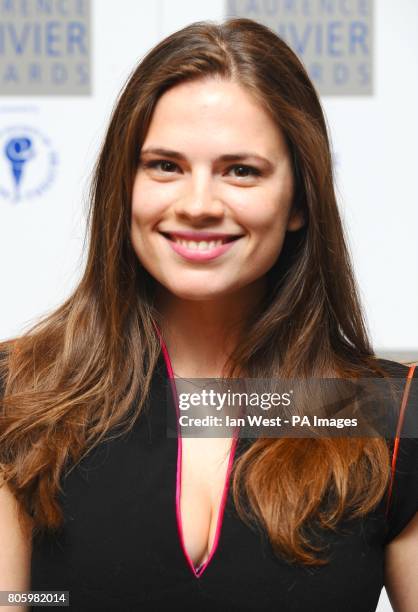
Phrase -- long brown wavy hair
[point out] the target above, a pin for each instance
(72, 378)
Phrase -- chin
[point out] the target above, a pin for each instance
(195, 295)
(198, 292)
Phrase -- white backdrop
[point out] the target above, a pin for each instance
(374, 139)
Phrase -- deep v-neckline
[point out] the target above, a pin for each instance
(199, 570)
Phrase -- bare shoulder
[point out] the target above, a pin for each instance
(401, 568)
(15, 551)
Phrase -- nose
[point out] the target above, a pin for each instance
(198, 200)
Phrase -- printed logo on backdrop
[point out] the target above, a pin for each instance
(333, 38)
(45, 47)
(28, 163)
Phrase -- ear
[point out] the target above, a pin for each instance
(296, 219)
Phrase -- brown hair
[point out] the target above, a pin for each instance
(73, 377)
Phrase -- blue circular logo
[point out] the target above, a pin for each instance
(28, 163)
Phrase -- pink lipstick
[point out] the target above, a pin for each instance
(203, 247)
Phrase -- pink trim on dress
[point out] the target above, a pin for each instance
(197, 572)
(398, 435)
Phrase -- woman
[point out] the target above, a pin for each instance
(216, 249)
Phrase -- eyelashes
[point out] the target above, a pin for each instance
(248, 170)
(165, 166)
(161, 164)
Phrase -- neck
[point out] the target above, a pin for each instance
(201, 334)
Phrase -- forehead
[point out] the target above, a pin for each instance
(213, 114)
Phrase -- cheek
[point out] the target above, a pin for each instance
(148, 202)
(264, 212)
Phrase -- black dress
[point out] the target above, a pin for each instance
(121, 547)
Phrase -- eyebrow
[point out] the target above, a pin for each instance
(228, 157)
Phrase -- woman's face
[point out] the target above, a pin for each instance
(212, 196)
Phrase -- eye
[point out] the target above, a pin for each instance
(164, 165)
(243, 171)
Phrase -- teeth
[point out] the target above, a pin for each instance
(202, 245)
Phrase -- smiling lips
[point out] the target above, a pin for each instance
(200, 246)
